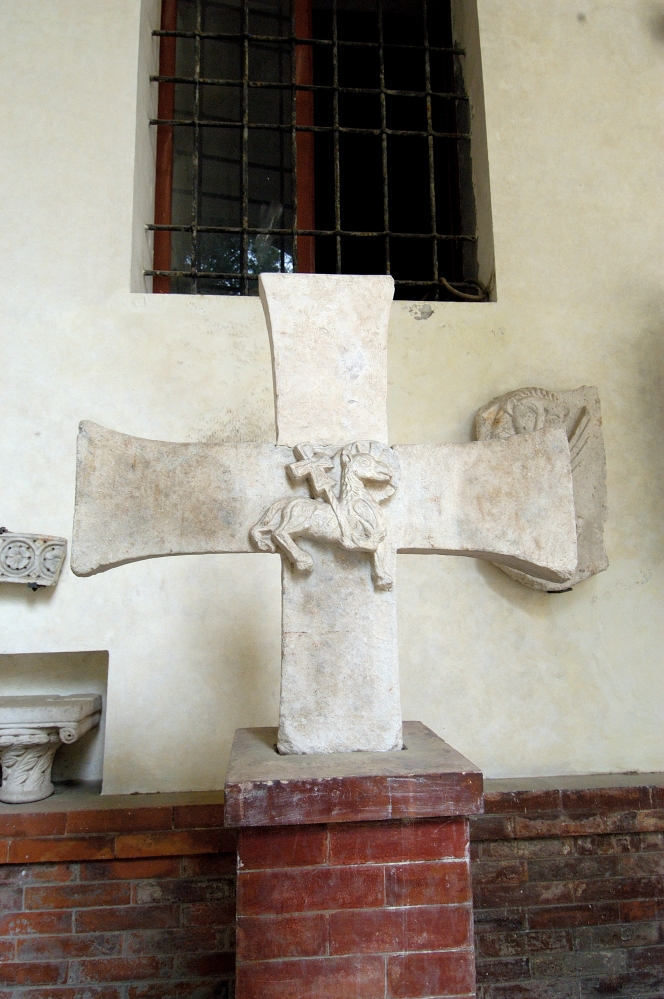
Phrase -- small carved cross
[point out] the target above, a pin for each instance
(335, 501)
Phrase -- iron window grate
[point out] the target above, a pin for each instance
(197, 228)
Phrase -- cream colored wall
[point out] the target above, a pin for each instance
(523, 683)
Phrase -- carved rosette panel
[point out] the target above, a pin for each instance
(32, 559)
(578, 412)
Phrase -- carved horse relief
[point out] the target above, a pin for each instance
(348, 484)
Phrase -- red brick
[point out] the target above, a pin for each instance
(127, 917)
(196, 989)
(264, 938)
(25, 923)
(313, 978)
(427, 884)
(449, 973)
(33, 824)
(205, 965)
(209, 913)
(645, 958)
(183, 890)
(126, 870)
(491, 827)
(11, 898)
(77, 895)
(107, 820)
(307, 889)
(44, 873)
(171, 843)
(638, 910)
(384, 931)
(4, 851)
(535, 893)
(618, 935)
(393, 842)
(505, 970)
(25, 851)
(521, 801)
(68, 992)
(616, 889)
(500, 872)
(499, 920)
(7, 949)
(285, 846)
(33, 974)
(170, 941)
(606, 799)
(640, 864)
(519, 944)
(199, 816)
(572, 868)
(556, 989)
(209, 865)
(573, 915)
(119, 969)
(56, 948)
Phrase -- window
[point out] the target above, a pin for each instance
(312, 135)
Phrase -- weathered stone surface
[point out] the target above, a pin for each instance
(32, 728)
(33, 559)
(508, 501)
(578, 413)
(337, 507)
(329, 352)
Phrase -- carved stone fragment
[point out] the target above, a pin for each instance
(32, 729)
(578, 412)
(347, 484)
(33, 559)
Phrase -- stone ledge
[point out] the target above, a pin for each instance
(427, 779)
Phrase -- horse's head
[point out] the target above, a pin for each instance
(372, 463)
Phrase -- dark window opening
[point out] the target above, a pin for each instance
(312, 135)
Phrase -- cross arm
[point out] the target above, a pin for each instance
(509, 501)
(138, 498)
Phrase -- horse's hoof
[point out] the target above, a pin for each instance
(304, 564)
(384, 583)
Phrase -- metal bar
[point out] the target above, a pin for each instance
(293, 84)
(196, 158)
(163, 194)
(258, 84)
(206, 123)
(245, 141)
(248, 275)
(335, 120)
(432, 171)
(383, 124)
(312, 232)
(304, 159)
(239, 35)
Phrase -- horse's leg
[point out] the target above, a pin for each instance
(302, 560)
(379, 568)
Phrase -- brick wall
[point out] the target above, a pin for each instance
(355, 911)
(139, 902)
(569, 894)
(147, 913)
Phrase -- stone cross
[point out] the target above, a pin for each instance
(335, 501)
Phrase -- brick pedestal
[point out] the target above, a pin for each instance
(333, 906)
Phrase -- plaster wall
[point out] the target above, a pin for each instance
(523, 683)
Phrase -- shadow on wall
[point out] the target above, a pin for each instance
(63, 673)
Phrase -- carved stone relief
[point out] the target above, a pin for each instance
(578, 411)
(33, 559)
(348, 484)
(32, 729)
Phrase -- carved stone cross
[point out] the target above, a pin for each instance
(335, 501)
